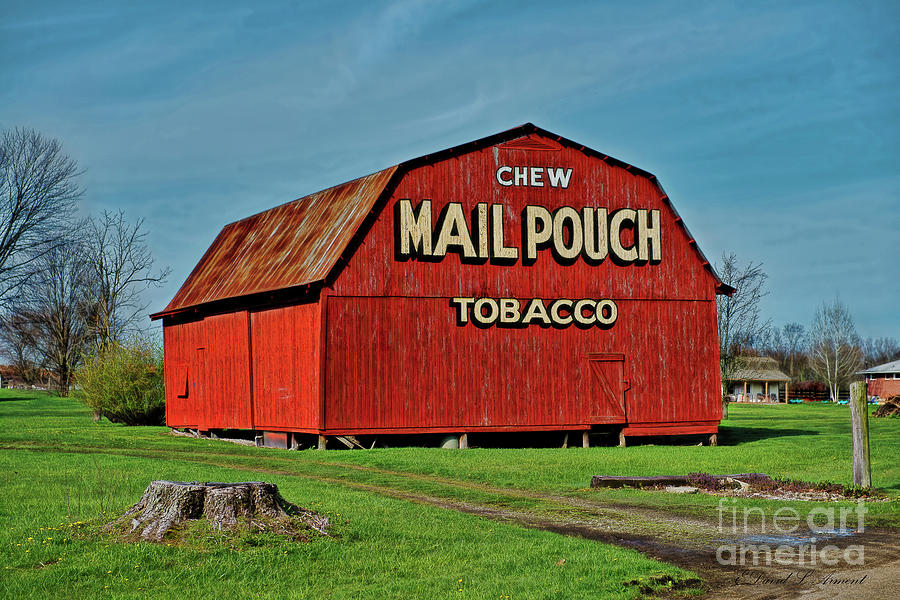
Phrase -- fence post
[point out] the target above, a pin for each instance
(859, 417)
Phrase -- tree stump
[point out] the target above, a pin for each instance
(254, 505)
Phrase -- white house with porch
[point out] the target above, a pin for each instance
(758, 379)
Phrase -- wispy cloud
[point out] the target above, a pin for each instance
(762, 120)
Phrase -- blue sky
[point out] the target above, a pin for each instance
(774, 126)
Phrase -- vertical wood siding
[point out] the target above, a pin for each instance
(226, 371)
(286, 367)
(396, 357)
(411, 366)
(182, 374)
(213, 356)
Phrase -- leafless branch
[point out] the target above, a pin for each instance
(835, 355)
(877, 351)
(38, 191)
(740, 325)
(121, 269)
(51, 308)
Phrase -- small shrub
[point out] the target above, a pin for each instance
(124, 383)
(815, 387)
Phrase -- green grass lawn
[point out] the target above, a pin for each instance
(809, 442)
(59, 469)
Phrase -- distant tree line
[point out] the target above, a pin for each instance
(827, 350)
(69, 287)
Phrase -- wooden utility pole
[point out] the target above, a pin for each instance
(859, 417)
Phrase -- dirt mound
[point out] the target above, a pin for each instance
(760, 485)
(253, 506)
(889, 408)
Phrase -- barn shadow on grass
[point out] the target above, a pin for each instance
(732, 436)
(16, 398)
(728, 436)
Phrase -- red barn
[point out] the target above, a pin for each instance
(520, 282)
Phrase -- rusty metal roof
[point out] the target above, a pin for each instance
(300, 242)
(290, 245)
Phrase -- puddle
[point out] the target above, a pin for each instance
(797, 539)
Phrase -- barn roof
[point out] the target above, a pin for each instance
(290, 245)
(302, 242)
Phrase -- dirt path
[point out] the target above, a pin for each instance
(692, 543)
(689, 542)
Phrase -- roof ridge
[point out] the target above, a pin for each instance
(344, 222)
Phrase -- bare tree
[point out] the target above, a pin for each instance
(121, 269)
(834, 346)
(38, 190)
(740, 325)
(774, 346)
(794, 336)
(877, 351)
(19, 343)
(54, 301)
(787, 345)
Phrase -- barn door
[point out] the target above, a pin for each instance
(608, 370)
(184, 407)
(197, 388)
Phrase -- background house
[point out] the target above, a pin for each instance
(759, 380)
(883, 381)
